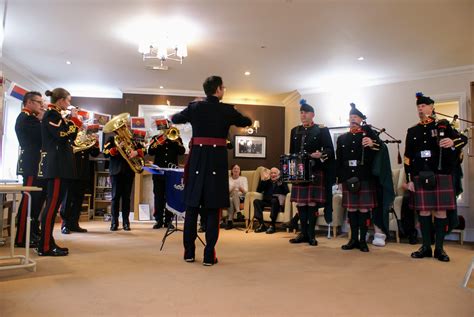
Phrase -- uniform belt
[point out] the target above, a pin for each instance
(209, 141)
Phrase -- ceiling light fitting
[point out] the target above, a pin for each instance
(175, 53)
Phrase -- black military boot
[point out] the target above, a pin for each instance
(312, 211)
(114, 224)
(126, 221)
(441, 227)
(354, 223)
(300, 238)
(303, 235)
(425, 250)
(422, 252)
(364, 219)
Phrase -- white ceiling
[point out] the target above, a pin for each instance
(309, 44)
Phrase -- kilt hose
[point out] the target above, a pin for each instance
(314, 192)
(365, 198)
(440, 198)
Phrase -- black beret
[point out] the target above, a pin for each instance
(422, 99)
(305, 107)
(355, 111)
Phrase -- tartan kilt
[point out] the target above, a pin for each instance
(440, 198)
(314, 192)
(365, 198)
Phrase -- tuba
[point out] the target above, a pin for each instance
(83, 141)
(123, 140)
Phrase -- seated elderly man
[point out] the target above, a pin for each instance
(274, 191)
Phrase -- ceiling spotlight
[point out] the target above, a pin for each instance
(247, 73)
(68, 62)
(361, 58)
(161, 87)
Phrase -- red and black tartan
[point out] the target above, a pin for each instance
(313, 192)
(365, 198)
(440, 198)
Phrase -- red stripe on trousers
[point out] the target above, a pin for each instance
(24, 211)
(49, 215)
(219, 216)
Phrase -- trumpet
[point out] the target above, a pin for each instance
(172, 134)
(67, 113)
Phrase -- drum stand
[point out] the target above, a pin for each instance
(170, 231)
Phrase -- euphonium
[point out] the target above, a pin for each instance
(83, 141)
(123, 141)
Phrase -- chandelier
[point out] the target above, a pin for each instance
(163, 52)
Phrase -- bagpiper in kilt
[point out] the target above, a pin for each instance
(431, 152)
(355, 153)
(316, 141)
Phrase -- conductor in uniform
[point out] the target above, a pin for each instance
(206, 172)
(28, 131)
(431, 152)
(166, 153)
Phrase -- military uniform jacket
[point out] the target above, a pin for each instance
(269, 188)
(349, 162)
(422, 149)
(28, 132)
(166, 153)
(208, 180)
(311, 139)
(82, 163)
(117, 163)
(58, 135)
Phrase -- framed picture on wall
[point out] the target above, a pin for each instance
(335, 133)
(101, 118)
(246, 146)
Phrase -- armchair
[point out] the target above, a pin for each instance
(284, 216)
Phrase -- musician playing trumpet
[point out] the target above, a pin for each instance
(166, 151)
(56, 164)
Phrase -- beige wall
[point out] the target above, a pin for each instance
(392, 107)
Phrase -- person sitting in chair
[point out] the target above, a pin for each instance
(274, 191)
(238, 187)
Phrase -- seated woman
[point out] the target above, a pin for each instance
(238, 187)
(274, 191)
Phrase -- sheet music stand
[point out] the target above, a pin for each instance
(170, 231)
(174, 199)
